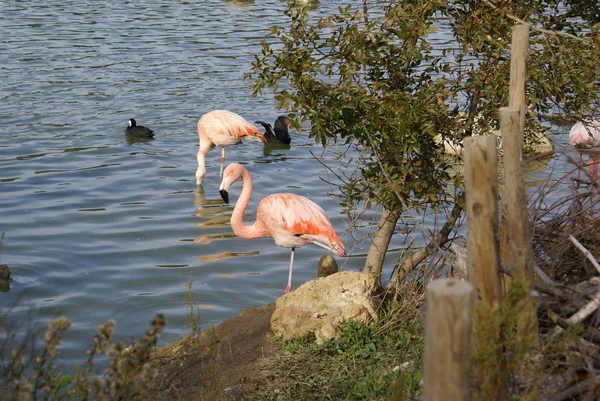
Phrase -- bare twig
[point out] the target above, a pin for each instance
(573, 391)
(543, 276)
(587, 310)
(587, 253)
(536, 28)
(590, 334)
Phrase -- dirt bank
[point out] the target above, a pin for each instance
(222, 363)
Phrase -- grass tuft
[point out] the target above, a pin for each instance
(367, 362)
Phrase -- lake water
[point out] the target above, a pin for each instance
(100, 227)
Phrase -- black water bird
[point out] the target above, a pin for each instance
(138, 130)
(280, 133)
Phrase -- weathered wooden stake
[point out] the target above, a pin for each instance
(448, 340)
(518, 72)
(516, 99)
(481, 183)
(519, 232)
(481, 190)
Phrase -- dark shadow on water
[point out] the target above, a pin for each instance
(270, 147)
(131, 140)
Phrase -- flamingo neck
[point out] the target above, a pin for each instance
(201, 157)
(256, 229)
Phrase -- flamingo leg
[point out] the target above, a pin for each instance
(289, 284)
(222, 160)
(594, 160)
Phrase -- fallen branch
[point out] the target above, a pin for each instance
(545, 285)
(585, 252)
(587, 310)
(572, 392)
(543, 276)
(590, 334)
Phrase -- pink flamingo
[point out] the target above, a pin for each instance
(585, 135)
(222, 128)
(291, 220)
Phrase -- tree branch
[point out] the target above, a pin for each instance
(439, 238)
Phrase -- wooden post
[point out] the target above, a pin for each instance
(516, 99)
(481, 190)
(481, 183)
(518, 72)
(519, 232)
(447, 340)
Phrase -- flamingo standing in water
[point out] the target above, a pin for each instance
(291, 220)
(585, 135)
(222, 128)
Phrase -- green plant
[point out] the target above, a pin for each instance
(194, 318)
(32, 373)
(367, 362)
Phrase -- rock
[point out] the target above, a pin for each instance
(318, 308)
(4, 278)
(327, 266)
(4, 272)
(536, 141)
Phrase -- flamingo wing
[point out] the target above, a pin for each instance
(296, 218)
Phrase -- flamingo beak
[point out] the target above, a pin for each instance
(224, 188)
(261, 138)
(224, 195)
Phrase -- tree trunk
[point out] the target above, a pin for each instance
(381, 240)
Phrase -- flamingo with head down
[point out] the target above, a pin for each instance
(222, 128)
(291, 220)
(586, 135)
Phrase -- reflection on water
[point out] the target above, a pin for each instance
(215, 214)
(240, 3)
(211, 211)
(270, 147)
(208, 238)
(309, 4)
(131, 140)
(226, 255)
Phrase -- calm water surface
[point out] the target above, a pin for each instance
(100, 227)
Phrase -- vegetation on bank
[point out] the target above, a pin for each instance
(31, 372)
(380, 361)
